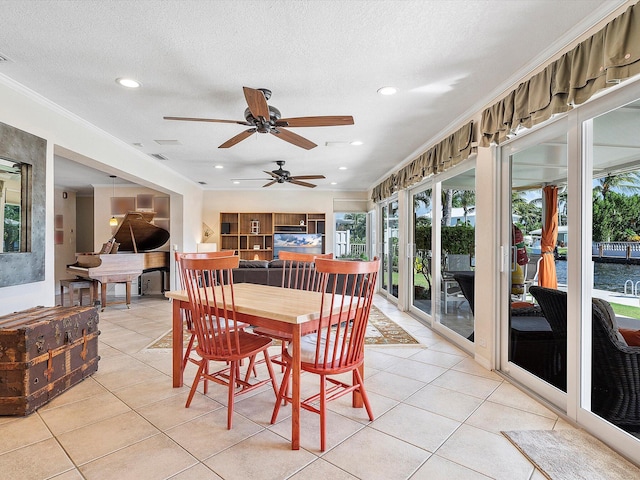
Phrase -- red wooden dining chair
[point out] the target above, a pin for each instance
(338, 345)
(299, 272)
(188, 321)
(209, 285)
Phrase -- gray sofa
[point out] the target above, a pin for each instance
(262, 272)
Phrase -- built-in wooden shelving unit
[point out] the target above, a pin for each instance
(251, 234)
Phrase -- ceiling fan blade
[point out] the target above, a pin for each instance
(257, 103)
(272, 174)
(215, 120)
(269, 184)
(307, 177)
(293, 138)
(327, 121)
(302, 184)
(238, 138)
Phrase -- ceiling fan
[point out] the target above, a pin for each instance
(264, 118)
(281, 175)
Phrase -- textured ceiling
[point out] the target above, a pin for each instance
(447, 58)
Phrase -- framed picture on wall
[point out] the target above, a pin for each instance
(145, 202)
(59, 222)
(122, 205)
(161, 206)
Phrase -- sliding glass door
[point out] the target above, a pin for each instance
(389, 247)
(537, 239)
(570, 266)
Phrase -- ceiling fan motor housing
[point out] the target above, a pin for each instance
(266, 125)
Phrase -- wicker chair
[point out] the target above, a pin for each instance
(466, 280)
(615, 371)
(554, 307)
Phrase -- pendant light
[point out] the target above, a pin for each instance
(113, 222)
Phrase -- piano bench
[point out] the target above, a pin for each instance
(79, 284)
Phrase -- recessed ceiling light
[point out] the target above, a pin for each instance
(342, 168)
(202, 183)
(356, 143)
(128, 82)
(236, 182)
(387, 90)
(137, 144)
(168, 142)
(219, 166)
(334, 183)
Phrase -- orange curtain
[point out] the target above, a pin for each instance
(547, 275)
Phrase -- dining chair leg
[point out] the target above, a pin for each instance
(206, 380)
(250, 369)
(196, 381)
(282, 394)
(185, 360)
(363, 393)
(272, 374)
(323, 411)
(232, 382)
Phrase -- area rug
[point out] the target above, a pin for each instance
(380, 331)
(571, 455)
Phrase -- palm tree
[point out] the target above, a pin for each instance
(624, 182)
(447, 206)
(467, 200)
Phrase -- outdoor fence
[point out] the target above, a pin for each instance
(616, 249)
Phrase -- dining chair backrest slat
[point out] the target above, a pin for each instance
(344, 312)
(209, 285)
(298, 270)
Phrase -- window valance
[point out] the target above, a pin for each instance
(606, 58)
(445, 154)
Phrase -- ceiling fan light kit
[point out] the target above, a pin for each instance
(263, 118)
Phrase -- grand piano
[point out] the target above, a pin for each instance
(126, 256)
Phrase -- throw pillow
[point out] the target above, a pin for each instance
(632, 337)
(521, 305)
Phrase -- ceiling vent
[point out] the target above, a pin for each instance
(4, 58)
(158, 156)
(202, 183)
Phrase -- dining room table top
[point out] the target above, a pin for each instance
(276, 303)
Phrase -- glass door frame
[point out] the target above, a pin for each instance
(435, 184)
(411, 250)
(384, 248)
(579, 304)
(505, 152)
(578, 126)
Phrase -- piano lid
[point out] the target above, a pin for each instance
(136, 233)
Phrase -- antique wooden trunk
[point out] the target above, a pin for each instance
(43, 352)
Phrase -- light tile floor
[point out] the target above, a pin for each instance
(438, 416)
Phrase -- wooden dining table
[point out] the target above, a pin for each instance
(296, 312)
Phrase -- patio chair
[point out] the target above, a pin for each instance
(553, 304)
(466, 280)
(337, 347)
(299, 272)
(615, 394)
(209, 284)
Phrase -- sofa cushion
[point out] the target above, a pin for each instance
(254, 264)
(276, 264)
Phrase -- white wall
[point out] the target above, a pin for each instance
(78, 140)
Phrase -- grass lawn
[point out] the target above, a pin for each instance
(626, 310)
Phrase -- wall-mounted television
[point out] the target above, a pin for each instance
(297, 242)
